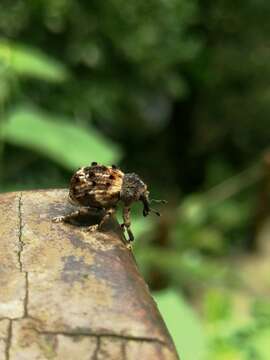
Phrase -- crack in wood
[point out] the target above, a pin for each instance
(123, 350)
(8, 340)
(25, 301)
(88, 333)
(21, 244)
(103, 335)
(95, 355)
(21, 247)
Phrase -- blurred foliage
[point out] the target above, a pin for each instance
(236, 334)
(52, 136)
(175, 90)
(234, 326)
(178, 315)
(23, 61)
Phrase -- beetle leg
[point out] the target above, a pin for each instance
(109, 212)
(127, 223)
(71, 216)
(92, 228)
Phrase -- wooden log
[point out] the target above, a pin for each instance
(66, 293)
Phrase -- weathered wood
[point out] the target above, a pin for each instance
(69, 294)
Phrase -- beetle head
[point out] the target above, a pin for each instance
(134, 189)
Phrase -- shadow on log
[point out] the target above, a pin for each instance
(69, 294)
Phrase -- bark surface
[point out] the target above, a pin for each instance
(66, 293)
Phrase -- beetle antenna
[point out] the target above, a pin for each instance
(155, 212)
(159, 201)
(147, 209)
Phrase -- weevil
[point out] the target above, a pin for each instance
(103, 187)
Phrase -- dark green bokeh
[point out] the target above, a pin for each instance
(177, 91)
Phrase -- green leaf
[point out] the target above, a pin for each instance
(261, 343)
(57, 138)
(183, 325)
(140, 225)
(217, 305)
(27, 61)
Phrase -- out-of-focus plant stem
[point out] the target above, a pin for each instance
(234, 184)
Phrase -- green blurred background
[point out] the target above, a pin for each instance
(179, 92)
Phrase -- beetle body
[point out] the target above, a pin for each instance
(103, 187)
